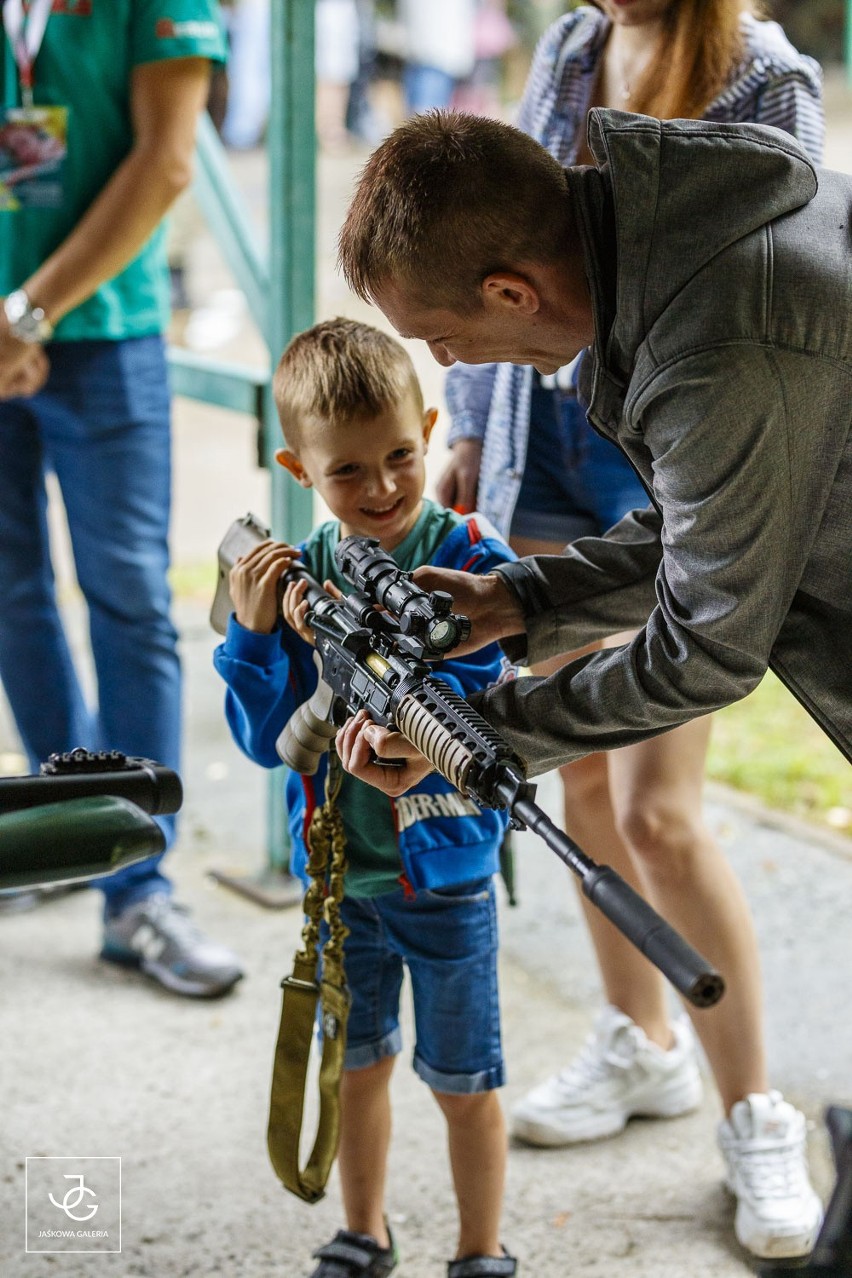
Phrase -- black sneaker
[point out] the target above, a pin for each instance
(504, 1266)
(351, 1255)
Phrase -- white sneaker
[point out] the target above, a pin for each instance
(619, 1073)
(763, 1144)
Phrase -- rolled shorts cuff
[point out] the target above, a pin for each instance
(485, 1080)
(371, 1053)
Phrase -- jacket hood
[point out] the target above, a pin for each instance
(682, 191)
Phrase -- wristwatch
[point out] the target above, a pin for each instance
(26, 322)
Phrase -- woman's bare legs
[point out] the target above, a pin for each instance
(656, 791)
(638, 809)
(630, 982)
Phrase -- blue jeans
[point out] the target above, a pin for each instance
(448, 941)
(102, 424)
(576, 483)
(426, 87)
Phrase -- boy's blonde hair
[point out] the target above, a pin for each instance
(338, 371)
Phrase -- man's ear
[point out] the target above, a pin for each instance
(429, 419)
(506, 290)
(291, 462)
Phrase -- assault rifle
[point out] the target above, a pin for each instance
(378, 661)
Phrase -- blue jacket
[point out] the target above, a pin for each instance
(443, 837)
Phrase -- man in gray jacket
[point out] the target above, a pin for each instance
(709, 273)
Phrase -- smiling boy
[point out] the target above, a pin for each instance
(419, 882)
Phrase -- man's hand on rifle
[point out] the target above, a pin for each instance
(360, 741)
(493, 608)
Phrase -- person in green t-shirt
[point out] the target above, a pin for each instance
(419, 891)
(84, 394)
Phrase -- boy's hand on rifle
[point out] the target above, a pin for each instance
(294, 606)
(253, 583)
(360, 741)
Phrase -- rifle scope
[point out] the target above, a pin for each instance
(426, 616)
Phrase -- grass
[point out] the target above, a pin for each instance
(765, 745)
(768, 746)
(194, 581)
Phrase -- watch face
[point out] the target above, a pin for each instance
(16, 305)
(27, 322)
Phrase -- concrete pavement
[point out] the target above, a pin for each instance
(96, 1062)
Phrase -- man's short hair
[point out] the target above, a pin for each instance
(338, 371)
(447, 200)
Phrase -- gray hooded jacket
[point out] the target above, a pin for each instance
(721, 278)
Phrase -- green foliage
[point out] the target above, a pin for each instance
(195, 581)
(531, 18)
(813, 26)
(770, 747)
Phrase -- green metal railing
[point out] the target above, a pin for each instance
(279, 288)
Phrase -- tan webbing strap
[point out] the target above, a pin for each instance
(327, 860)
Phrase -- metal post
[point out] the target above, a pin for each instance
(292, 219)
(281, 294)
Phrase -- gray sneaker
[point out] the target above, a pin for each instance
(157, 936)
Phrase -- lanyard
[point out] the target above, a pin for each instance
(26, 32)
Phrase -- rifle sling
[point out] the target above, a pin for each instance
(301, 992)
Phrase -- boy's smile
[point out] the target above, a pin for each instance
(370, 471)
(385, 514)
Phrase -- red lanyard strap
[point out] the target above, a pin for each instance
(26, 32)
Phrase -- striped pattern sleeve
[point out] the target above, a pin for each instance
(776, 85)
(468, 390)
(788, 104)
(560, 81)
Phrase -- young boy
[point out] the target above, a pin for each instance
(419, 883)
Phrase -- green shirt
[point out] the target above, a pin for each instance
(85, 63)
(371, 842)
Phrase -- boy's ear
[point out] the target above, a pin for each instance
(291, 462)
(429, 419)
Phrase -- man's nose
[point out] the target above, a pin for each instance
(441, 354)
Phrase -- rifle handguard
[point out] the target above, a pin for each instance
(433, 739)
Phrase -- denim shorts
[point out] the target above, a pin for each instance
(575, 483)
(448, 941)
